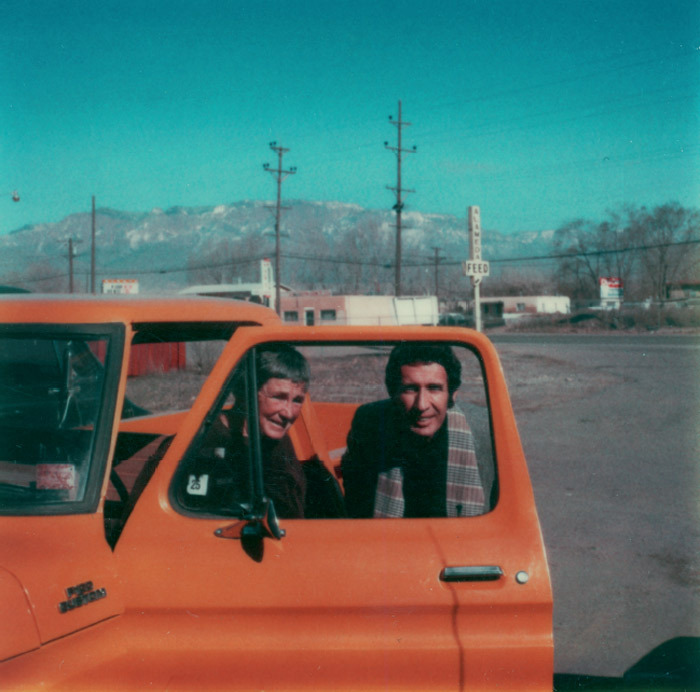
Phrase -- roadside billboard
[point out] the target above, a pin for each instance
(610, 288)
(120, 286)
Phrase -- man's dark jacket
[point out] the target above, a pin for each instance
(378, 440)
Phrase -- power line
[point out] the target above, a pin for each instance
(517, 89)
(543, 118)
(578, 76)
(429, 262)
(590, 253)
(437, 259)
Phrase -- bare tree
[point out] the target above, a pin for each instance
(519, 281)
(365, 249)
(39, 277)
(626, 241)
(302, 271)
(579, 269)
(615, 237)
(667, 255)
(227, 261)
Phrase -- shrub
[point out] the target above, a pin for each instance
(640, 319)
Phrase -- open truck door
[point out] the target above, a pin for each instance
(229, 590)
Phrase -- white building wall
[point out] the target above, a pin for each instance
(387, 310)
(370, 310)
(532, 304)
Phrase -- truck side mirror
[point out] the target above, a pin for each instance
(260, 523)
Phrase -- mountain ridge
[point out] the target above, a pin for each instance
(158, 246)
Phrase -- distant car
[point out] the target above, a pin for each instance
(116, 575)
(458, 319)
(455, 319)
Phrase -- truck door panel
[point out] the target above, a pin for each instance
(344, 602)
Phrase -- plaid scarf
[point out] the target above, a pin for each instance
(464, 492)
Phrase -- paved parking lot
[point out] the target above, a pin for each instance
(611, 430)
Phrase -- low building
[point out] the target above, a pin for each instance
(262, 292)
(532, 305)
(321, 307)
(496, 309)
(683, 290)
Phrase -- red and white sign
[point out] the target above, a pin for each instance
(610, 287)
(120, 286)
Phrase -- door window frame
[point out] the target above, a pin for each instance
(336, 337)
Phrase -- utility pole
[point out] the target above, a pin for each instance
(475, 268)
(92, 250)
(398, 190)
(279, 174)
(71, 256)
(437, 282)
(70, 265)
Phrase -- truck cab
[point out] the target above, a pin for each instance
(121, 571)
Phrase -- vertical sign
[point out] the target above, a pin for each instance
(474, 216)
(266, 278)
(475, 266)
(267, 283)
(474, 221)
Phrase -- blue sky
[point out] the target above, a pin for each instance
(538, 112)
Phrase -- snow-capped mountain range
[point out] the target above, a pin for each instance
(157, 246)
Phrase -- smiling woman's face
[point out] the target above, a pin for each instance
(279, 405)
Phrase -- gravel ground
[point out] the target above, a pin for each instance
(611, 431)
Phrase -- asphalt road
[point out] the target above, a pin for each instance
(611, 430)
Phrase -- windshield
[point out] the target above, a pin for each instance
(52, 390)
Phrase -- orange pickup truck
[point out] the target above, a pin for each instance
(116, 573)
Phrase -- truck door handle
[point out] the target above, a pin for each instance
(471, 573)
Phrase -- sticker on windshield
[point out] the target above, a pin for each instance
(55, 477)
(197, 485)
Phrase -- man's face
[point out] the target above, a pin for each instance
(279, 405)
(424, 397)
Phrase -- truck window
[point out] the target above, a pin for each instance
(168, 365)
(353, 445)
(52, 401)
(166, 375)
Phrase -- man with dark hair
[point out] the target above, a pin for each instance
(420, 352)
(413, 455)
